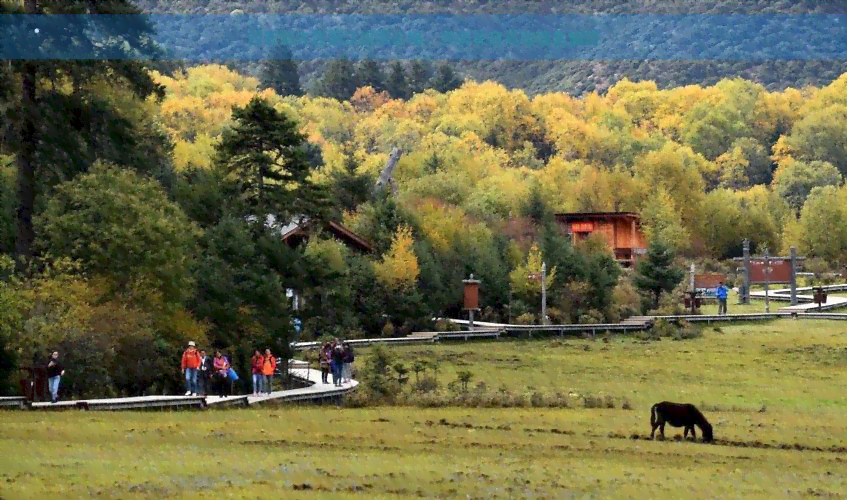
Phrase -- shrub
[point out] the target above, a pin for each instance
(525, 319)
(388, 330)
(591, 317)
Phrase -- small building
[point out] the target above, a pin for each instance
(621, 230)
(297, 231)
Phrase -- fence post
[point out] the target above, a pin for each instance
(745, 296)
(793, 276)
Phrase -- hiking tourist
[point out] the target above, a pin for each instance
(268, 369)
(347, 363)
(257, 361)
(204, 378)
(720, 293)
(54, 375)
(221, 366)
(323, 359)
(190, 364)
(336, 361)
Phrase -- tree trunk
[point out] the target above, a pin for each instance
(25, 160)
(26, 167)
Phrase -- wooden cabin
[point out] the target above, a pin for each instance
(295, 233)
(621, 230)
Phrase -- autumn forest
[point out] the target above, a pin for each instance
(149, 188)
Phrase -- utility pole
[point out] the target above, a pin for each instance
(543, 293)
(693, 270)
(745, 295)
(767, 280)
(793, 276)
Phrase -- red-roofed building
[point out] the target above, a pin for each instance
(621, 230)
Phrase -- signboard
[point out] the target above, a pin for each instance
(582, 227)
(708, 280)
(779, 271)
(471, 294)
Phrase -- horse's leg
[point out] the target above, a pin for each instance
(662, 430)
(693, 433)
(685, 432)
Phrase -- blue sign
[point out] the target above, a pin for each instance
(297, 324)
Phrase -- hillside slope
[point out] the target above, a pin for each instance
(572, 76)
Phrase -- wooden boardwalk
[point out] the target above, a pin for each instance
(806, 302)
(316, 390)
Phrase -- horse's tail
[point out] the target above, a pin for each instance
(654, 415)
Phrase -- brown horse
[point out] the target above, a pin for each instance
(679, 415)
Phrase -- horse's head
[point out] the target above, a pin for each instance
(707, 432)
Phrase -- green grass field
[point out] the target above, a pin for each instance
(774, 393)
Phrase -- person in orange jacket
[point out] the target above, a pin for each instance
(257, 361)
(268, 369)
(190, 363)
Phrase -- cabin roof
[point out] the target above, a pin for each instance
(297, 228)
(573, 216)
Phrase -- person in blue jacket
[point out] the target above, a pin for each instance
(720, 293)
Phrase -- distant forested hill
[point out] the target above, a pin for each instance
(572, 76)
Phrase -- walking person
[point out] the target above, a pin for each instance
(720, 293)
(54, 376)
(257, 362)
(205, 375)
(268, 369)
(347, 363)
(336, 361)
(323, 359)
(221, 374)
(190, 365)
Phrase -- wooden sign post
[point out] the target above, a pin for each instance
(471, 298)
(767, 270)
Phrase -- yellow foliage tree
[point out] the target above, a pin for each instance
(522, 277)
(399, 269)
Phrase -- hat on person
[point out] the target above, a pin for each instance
(190, 343)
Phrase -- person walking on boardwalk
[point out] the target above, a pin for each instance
(347, 363)
(268, 369)
(257, 361)
(205, 375)
(336, 362)
(190, 364)
(221, 366)
(323, 359)
(720, 293)
(54, 375)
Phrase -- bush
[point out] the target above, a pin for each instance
(591, 317)
(525, 319)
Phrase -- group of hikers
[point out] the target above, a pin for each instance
(208, 375)
(205, 375)
(336, 357)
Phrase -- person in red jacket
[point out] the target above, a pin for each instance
(257, 362)
(268, 369)
(190, 363)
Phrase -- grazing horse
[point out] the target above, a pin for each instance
(679, 415)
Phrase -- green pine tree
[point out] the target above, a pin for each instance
(420, 74)
(398, 86)
(656, 273)
(339, 81)
(58, 134)
(279, 72)
(369, 74)
(446, 79)
(270, 161)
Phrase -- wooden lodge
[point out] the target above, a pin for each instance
(621, 230)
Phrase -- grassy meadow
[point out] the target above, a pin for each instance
(773, 391)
